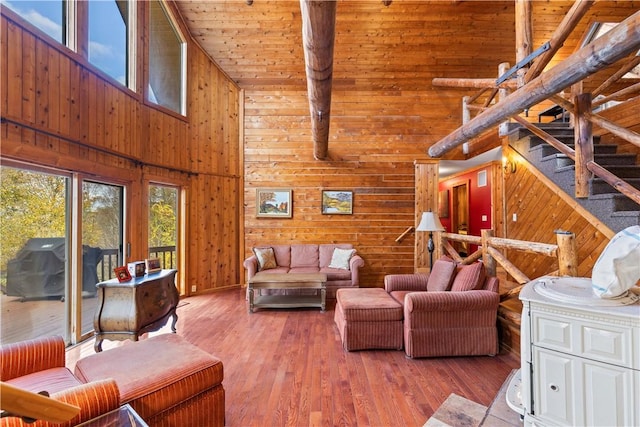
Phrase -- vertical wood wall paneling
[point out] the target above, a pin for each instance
(426, 199)
(57, 92)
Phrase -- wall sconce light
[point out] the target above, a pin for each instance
(509, 166)
(386, 2)
(249, 2)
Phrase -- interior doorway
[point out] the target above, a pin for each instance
(460, 214)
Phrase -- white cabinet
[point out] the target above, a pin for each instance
(580, 355)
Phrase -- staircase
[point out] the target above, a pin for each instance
(608, 205)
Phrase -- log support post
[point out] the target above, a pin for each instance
(524, 36)
(503, 93)
(318, 36)
(583, 144)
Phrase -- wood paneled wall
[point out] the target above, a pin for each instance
(371, 152)
(58, 111)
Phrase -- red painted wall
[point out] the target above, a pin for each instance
(479, 200)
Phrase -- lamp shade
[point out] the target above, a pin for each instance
(430, 222)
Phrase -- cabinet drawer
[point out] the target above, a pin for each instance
(607, 343)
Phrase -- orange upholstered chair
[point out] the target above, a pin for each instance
(39, 365)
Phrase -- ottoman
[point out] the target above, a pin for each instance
(368, 318)
(167, 380)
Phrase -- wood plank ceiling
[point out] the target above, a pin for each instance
(400, 47)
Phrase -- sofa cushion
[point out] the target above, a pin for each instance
(341, 258)
(52, 380)
(336, 273)
(441, 275)
(469, 277)
(283, 255)
(266, 258)
(304, 256)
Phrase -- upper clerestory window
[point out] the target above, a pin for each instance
(167, 60)
(109, 39)
(48, 16)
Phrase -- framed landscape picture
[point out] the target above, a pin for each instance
(337, 202)
(273, 203)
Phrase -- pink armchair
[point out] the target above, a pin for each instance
(39, 365)
(450, 312)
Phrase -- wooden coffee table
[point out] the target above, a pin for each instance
(287, 281)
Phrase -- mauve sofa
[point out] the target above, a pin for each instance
(310, 258)
(450, 312)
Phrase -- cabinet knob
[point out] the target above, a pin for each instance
(554, 387)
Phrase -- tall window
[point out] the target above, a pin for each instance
(167, 61)
(108, 37)
(49, 16)
(163, 224)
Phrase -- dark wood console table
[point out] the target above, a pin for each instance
(128, 309)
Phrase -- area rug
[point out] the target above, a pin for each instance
(457, 411)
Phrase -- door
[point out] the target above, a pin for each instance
(460, 215)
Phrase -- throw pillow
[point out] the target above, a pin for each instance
(266, 258)
(341, 257)
(469, 277)
(441, 275)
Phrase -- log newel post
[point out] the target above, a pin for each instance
(583, 144)
(567, 254)
(524, 36)
(488, 260)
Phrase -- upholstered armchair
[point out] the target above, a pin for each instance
(39, 365)
(450, 312)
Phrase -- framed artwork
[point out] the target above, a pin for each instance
(273, 203)
(337, 202)
(122, 274)
(443, 204)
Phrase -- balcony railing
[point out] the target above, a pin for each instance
(166, 255)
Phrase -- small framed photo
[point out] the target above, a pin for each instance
(337, 202)
(273, 203)
(122, 274)
(136, 269)
(153, 265)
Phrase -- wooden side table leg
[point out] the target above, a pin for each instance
(323, 298)
(174, 321)
(250, 299)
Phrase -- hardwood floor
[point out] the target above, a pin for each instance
(288, 368)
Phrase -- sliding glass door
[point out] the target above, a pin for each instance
(48, 271)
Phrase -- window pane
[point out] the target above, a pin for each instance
(108, 37)
(34, 259)
(163, 217)
(165, 60)
(101, 241)
(46, 15)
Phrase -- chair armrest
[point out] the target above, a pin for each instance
(26, 357)
(405, 282)
(355, 263)
(477, 300)
(251, 265)
(94, 399)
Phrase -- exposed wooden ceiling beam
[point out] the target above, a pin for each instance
(318, 35)
(602, 52)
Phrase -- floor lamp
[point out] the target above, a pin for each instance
(430, 222)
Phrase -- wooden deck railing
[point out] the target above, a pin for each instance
(489, 249)
(166, 255)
